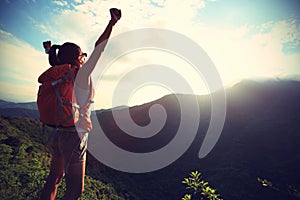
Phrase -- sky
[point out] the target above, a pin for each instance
(245, 39)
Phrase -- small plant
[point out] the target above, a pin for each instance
(197, 185)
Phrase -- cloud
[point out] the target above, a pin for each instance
(91, 17)
(238, 52)
(250, 51)
(158, 3)
(60, 3)
(27, 1)
(20, 66)
(15, 93)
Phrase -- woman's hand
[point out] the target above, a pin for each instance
(47, 46)
(115, 15)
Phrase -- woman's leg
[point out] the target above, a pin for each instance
(75, 161)
(56, 169)
(75, 181)
(54, 178)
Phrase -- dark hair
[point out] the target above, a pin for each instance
(67, 54)
(53, 60)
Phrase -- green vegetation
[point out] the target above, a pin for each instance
(198, 187)
(24, 164)
(25, 160)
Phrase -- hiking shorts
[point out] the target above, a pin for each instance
(68, 144)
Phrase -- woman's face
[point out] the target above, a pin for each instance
(81, 58)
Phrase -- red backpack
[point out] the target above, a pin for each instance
(56, 99)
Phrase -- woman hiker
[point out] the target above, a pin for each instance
(69, 144)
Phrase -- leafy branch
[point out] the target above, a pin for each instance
(197, 185)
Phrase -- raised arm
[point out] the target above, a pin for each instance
(51, 50)
(105, 35)
(83, 76)
(115, 16)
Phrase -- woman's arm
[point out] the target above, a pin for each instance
(115, 16)
(83, 75)
(105, 35)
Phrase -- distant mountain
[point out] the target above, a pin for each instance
(19, 109)
(30, 109)
(28, 105)
(21, 112)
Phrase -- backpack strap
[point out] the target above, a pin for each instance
(55, 85)
(60, 101)
(70, 116)
(64, 78)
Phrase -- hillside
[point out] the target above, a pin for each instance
(25, 163)
(260, 139)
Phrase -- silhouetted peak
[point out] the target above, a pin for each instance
(265, 87)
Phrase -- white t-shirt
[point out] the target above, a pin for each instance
(82, 96)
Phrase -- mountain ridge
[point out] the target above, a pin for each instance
(243, 83)
(25, 105)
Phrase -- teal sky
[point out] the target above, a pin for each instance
(255, 12)
(230, 31)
